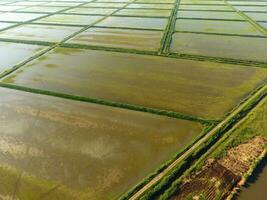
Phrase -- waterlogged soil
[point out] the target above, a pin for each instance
(21, 52)
(213, 26)
(193, 87)
(134, 22)
(144, 12)
(92, 11)
(263, 24)
(10, 8)
(251, 8)
(248, 3)
(105, 5)
(209, 15)
(120, 38)
(257, 16)
(243, 48)
(5, 25)
(19, 17)
(154, 1)
(27, 3)
(70, 19)
(65, 4)
(152, 6)
(62, 149)
(200, 2)
(206, 7)
(115, 1)
(46, 33)
(43, 9)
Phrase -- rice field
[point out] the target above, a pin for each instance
(99, 95)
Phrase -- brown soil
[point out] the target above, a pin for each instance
(218, 177)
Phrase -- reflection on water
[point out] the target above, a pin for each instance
(198, 88)
(75, 150)
(256, 186)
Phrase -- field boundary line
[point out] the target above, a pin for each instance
(223, 34)
(134, 107)
(169, 29)
(248, 19)
(41, 17)
(220, 141)
(21, 64)
(219, 60)
(218, 127)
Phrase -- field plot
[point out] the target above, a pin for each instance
(76, 150)
(34, 32)
(4, 25)
(119, 38)
(152, 82)
(100, 95)
(21, 52)
(225, 25)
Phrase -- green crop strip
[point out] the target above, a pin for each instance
(167, 113)
(166, 40)
(217, 149)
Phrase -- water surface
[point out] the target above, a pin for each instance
(256, 186)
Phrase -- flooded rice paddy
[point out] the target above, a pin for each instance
(80, 150)
(21, 52)
(162, 83)
(120, 38)
(195, 58)
(33, 32)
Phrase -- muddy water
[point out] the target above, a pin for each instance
(257, 16)
(134, 22)
(5, 25)
(199, 88)
(120, 38)
(92, 11)
(20, 52)
(155, 6)
(70, 19)
(63, 149)
(20, 17)
(106, 5)
(220, 27)
(145, 12)
(257, 184)
(245, 48)
(208, 15)
(45, 33)
(45, 9)
(206, 7)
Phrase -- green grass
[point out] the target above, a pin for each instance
(254, 124)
